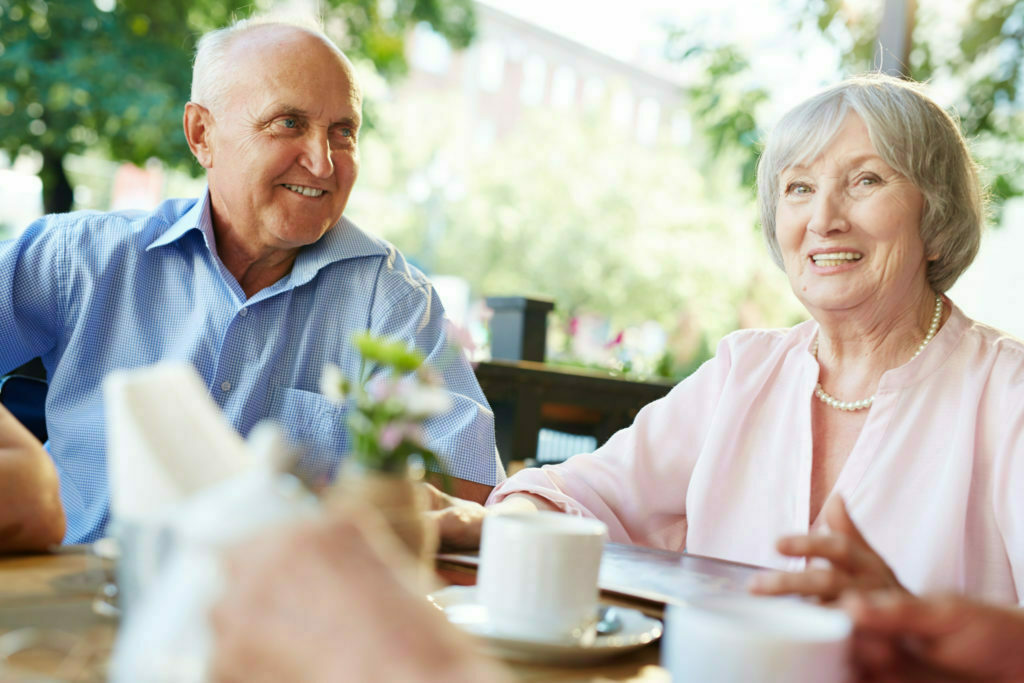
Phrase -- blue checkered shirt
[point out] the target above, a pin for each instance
(93, 292)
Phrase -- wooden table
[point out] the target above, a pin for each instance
(55, 593)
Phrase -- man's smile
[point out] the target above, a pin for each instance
(303, 190)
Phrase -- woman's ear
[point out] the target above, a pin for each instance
(198, 124)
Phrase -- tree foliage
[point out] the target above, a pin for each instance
(975, 60)
(979, 58)
(571, 208)
(75, 77)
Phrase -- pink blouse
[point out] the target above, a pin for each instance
(722, 465)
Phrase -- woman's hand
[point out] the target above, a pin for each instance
(854, 563)
(901, 638)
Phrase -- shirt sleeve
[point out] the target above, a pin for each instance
(636, 482)
(30, 296)
(463, 437)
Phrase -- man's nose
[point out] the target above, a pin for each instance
(828, 214)
(316, 155)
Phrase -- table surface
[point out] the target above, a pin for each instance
(55, 592)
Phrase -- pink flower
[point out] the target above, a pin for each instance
(383, 390)
(394, 433)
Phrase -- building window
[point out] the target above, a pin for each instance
(682, 128)
(648, 114)
(622, 108)
(491, 69)
(563, 87)
(485, 134)
(431, 52)
(534, 76)
(593, 92)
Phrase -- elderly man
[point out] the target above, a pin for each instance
(258, 283)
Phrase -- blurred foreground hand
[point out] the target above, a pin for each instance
(903, 638)
(335, 600)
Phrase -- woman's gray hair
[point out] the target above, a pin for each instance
(914, 136)
(211, 71)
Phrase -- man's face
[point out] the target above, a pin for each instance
(283, 153)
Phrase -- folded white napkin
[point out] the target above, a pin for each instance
(166, 440)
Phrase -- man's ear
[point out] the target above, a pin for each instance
(198, 123)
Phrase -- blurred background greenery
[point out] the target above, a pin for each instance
(630, 203)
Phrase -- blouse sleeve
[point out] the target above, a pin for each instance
(636, 482)
(1008, 477)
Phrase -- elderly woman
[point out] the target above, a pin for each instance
(890, 400)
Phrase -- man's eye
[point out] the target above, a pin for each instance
(347, 132)
(289, 123)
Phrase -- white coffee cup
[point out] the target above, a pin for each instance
(740, 639)
(538, 574)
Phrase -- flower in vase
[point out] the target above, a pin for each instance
(386, 413)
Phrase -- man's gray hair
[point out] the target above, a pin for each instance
(211, 72)
(913, 135)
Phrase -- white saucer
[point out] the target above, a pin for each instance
(460, 605)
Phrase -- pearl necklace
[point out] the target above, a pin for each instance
(852, 406)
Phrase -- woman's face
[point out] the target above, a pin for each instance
(849, 227)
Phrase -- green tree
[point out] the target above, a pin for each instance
(979, 56)
(571, 208)
(114, 75)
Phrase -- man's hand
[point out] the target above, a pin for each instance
(31, 514)
(459, 521)
(902, 638)
(334, 600)
(854, 563)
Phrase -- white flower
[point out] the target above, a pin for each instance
(423, 401)
(333, 384)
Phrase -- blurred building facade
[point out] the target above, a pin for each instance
(515, 66)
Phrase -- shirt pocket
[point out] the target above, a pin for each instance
(316, 425)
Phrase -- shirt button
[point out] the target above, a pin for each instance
(225, 386)
(244, 312)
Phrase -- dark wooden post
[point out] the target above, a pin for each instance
(519, 328)
(895, 37)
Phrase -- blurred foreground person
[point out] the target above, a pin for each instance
(336, 600)
(31, 514)
(889, 399)
(901, 639)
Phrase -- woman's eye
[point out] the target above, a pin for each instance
(797, 188)
(867, 180)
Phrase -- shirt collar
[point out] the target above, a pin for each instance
(343, 241)
(196, 218)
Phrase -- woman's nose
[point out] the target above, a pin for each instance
(828, 214)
